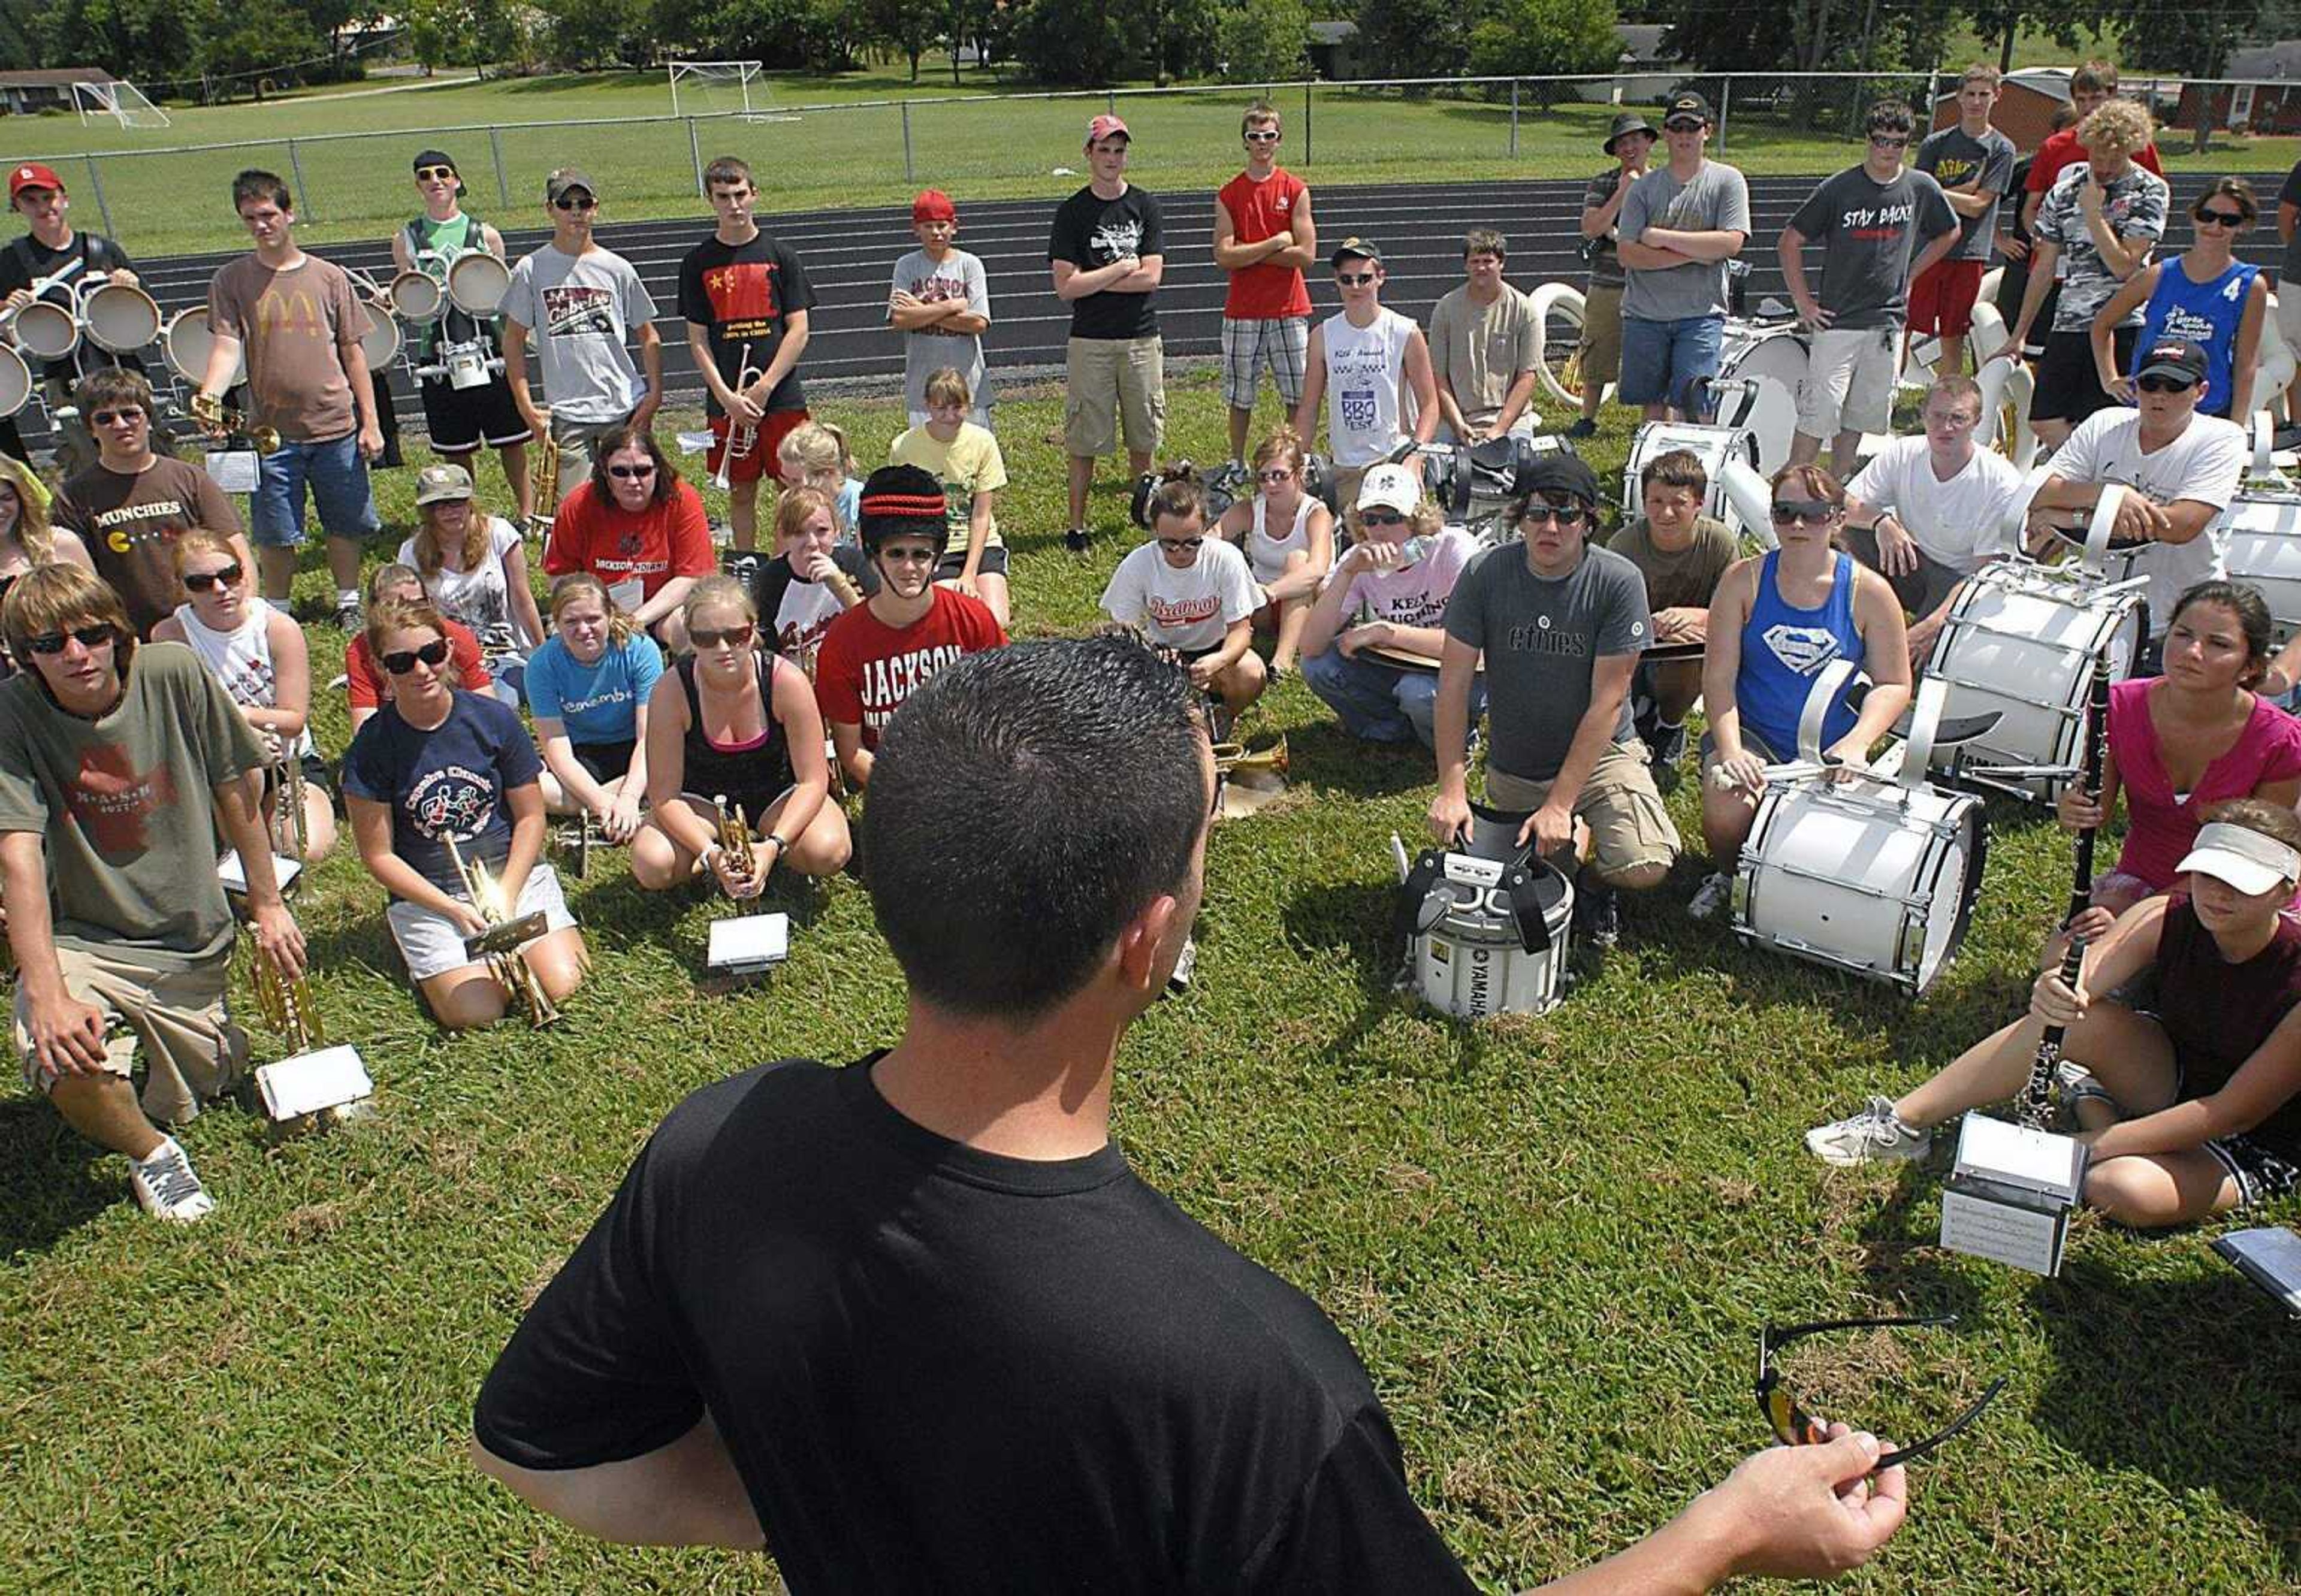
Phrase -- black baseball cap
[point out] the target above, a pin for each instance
(1355, 249)
(1625, 122)
(424, 158)
(1685, 103)
(2175, 357)
(1558, 471)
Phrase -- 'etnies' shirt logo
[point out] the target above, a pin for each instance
(111, 799)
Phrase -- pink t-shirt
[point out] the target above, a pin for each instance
(2161, 825)
(1416, 595)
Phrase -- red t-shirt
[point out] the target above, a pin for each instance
(668, 538)
(2062, 148)
(366, 677)
(866, 668)
(1264, 292)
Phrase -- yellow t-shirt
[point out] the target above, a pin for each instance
(968, 464)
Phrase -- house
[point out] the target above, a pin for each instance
(1334, 50)
(2026, 105)
(2260, 105)
(49, 89)
(1642, 76)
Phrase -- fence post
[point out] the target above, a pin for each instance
(1513, 143)
(95, 182)
(695, 153)
(908, 177)
(1110, 101)
(503, 183)
(1306, 124)
(304, 208)
(1724, 98)
(1933, 96)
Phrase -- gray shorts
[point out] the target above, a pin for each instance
(433, 945)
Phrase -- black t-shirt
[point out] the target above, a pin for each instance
(938, 1369)
(1090, 232)
(744, 293)
(26, 260)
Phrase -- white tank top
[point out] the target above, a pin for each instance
(1365, 413)
(240, 660)
(1267, 554)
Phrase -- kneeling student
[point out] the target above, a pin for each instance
(1682, 554)
(1193, 593)
(2189, 1109)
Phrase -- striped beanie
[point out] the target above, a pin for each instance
(900, 500)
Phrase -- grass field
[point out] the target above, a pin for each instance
(823, 142)
(1551, 1239)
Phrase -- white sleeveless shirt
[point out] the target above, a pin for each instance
(1267, 554)
(241, 660)
(1365, 413)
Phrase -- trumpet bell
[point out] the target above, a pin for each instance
(1235, 759)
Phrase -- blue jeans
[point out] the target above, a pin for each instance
(1383, 703)
(339, 481)
(1662, 360)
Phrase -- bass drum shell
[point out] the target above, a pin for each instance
(2264, 550)
(1558, 320)
(477, 283)
(121, 318)
(15, 381)
(1880, 884)
(187, 344)
(1774, 360)
(1714, 446)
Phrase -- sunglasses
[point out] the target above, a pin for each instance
(730, 636)
(115, 418)
(1263, 135)
(1181, 545)
(1793, 1426)
(2220, 218)
(907, 557)
(424, 174)
(1381, 518)
(1276, 475)
(90, 637)
(202, 582)
(2163, 385)
(1566, 514)
(400, 661)
(1808, 511)
(1683, 127)
(630, 473)
(573, 201)
(1354, 279)
(1887, 141)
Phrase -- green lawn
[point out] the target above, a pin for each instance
(1551, 1239)
(827, 142)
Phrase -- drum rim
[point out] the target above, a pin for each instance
(1973, 822)
(158, 318)
(2129, 607)
(447, 284)
(42, 310)
(15, 368)
(438, 291)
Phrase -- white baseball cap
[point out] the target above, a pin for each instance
(2245, 859)
(1390, 488)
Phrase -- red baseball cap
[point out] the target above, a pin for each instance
(933, 204)
(1102, 127)
(33, 175)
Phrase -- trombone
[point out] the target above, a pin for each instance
(740, 440)
(500, 942)
(223, 423)
(543, 488)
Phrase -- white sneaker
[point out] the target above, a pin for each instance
(165, 1185)
(1712, 897)
(1873, 1134)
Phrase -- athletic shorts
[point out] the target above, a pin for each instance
(2069, 388)
(1619, 803)
(1112, 383)
(433, 945)
(954, 561)
(760, 463)
(1602, 333)
(1282, 344)
(605, 761)
(461, 419)
(1849, 384)
(2289, 319)
(1942, 300)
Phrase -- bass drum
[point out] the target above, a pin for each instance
(1715, 447)
(1558, 343)
(1760, 368)
(1878, 882)
(187, 344)
(2264, 550)
(2275, 365)
(15, 381)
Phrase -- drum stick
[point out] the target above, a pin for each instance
(2096, 744)
(2038, 1096)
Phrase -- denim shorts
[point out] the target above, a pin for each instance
(1662, 360)
(339, 481)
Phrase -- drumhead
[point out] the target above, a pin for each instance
(1777, 358)
(15, 381)
(47, 330)
(121, 318)
(415, 296)
(188, 343)
(477, 282)
(1955, 875)
(381, 341)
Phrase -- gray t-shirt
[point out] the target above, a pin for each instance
(958, 275)
(579, 311)
(1542, 637)
(1717, 200)
(1868, 233)
(125, 807)
(1956, 158)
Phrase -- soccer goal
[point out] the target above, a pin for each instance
(118, 99)
(716, 88)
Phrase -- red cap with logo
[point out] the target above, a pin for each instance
(1102, 127)
(33, 175)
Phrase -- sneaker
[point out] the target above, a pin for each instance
(1875, 1133)
(1597, 912)
(348, 616)
(1583, 428)
(1075, 539)
(1711, 899)
(1666, 745)
(165, 1185)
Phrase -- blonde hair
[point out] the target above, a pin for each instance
(58, 597)
(712, 592)
(407, 615)
(2117, 128)
(796, 505)
(32, 529)
(430, 556)
(203, 539)
(1281, 442)
(947, 385)
(582, 584)
(819, 449)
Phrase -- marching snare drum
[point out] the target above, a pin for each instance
(47, 329)
(1487, 926)
(477, 281)
(416, 297)
(121, 318)
(15, 381)
(187, 344)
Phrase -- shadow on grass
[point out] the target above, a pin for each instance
(1905, 1261)
(1324, 755)
(52, 1179)
(2189, 1382)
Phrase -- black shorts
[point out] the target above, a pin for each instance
(954, 561)
(2067, 387)
(461, 418)
(316, 774)
(606, 761)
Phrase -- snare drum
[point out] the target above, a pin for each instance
(2021, 640)
(477, 282)
(1876, 879)
(47, 330)
(187, 344)
(416, 297)
(1713, 446)
(2264, 549)
(1487, 926)
(121, 318)
(1767, 361)
(380, 342)
(15, 381)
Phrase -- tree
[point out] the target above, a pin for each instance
(1264, 41)
(1060, 41)
(911, 27)
(1417, 39)
(1524, 38)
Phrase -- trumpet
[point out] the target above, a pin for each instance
(740, 440)
(735, 839)
(500, 943)
(291, 800)
(543, 488)
(1234, 758)
(286, 1006)
(223, 423)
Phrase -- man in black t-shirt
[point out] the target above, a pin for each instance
(916, 1324)
(746, 299)
(47, 245)
(1108, 253)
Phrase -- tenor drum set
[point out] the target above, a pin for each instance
(121, 319)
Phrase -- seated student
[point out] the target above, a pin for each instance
(588, 689)
(878, 653)
(2188, 1108)
(964, 459)
(119, 767)
(1682, 554)
(815, 454)
(793, 592)
(1926, 513)
(2204, 294)
(27, 539)
(1288, 567)
(439, 764)
(258, 653)
(733, 720)
(1388, 590)
(365, 685)
(1779, 618)
(2184, 742)
(475, 570)
(638, 528)
(1191, 594)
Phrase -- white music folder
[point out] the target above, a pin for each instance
(309, 1082)
(749, 943)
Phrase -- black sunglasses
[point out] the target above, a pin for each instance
(1888, 141)
(1793, 1426)
(1354, 279)
(629, 471)
(1813, 512)
(1540, 510)
(90, 637)
(202, 582)
(115, 418)
(2221, 218)
(1381, 518)
(2163, 385)
(576, 201)
(732, 637)
(1180, 545)
(400, 661)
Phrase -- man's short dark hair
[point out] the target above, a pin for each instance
(1485, 240)
(1024, 805)
(725, 172)
(255, 183)
(1891, 116)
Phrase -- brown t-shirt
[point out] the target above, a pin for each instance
(298, 327)
(1682, 578)
(130, 523)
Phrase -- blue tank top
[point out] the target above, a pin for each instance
(1784, 648)
(2205, 313)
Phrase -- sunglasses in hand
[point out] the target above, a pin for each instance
(1793, 1425)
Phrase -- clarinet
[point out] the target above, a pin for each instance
(2096, 744)
(2038, 1097)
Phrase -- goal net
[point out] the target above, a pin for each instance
(716, 88)
(118, 99)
